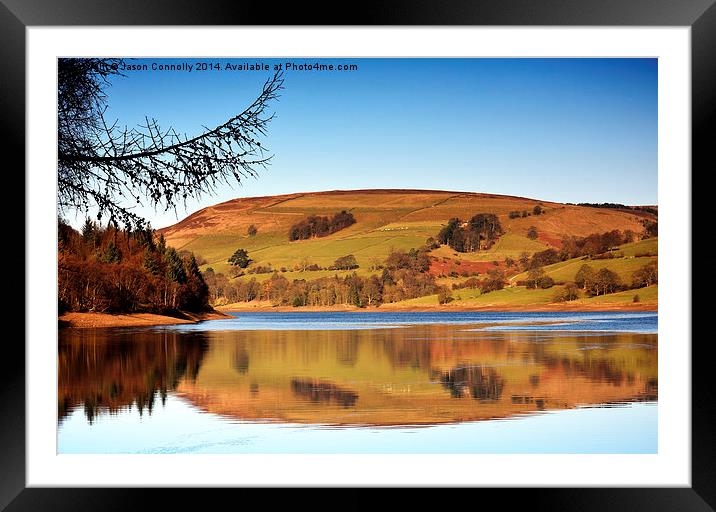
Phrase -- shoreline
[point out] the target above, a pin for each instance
(77, 320)
(445, 308)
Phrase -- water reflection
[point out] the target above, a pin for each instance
(415, 375)
(325, 392)
(107, 372)
(473, 381)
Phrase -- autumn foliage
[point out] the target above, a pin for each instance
(404, 276)
(105, 269)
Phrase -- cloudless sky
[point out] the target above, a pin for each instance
(567, 130)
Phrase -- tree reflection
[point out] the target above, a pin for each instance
(325, 392)
(104, 372)
(473, 381)
(240, 359)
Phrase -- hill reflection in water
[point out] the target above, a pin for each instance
(413, 375)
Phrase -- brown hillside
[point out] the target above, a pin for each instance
(276, 213)
(385, 220)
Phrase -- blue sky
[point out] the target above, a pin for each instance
(568, 130)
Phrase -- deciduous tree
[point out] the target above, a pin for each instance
(346, 263)
(240, 258)
(645, 276)
(584, 276)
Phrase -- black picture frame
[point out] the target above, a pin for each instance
(700, 15)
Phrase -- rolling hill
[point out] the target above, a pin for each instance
(385, 220)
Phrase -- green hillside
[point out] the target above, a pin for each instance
(561, 272)
(385, 220)
(521, 296)
(624, 266)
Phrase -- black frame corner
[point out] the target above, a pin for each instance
(700, 15)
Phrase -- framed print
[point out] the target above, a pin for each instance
(322, 255)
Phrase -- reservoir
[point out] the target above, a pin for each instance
(345, 382)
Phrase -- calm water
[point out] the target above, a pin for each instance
(364, 383)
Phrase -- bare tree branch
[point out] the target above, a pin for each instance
(102, 166)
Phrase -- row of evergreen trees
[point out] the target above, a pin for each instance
(113, 270)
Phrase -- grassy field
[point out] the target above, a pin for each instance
(647, 295)
(386, 220)
(564, 271)
(521, 296)
(513, 296)
(509, 245)
(561, 272)
(648, 246)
